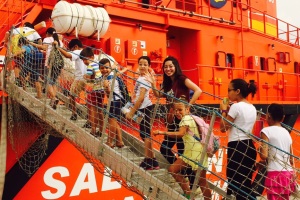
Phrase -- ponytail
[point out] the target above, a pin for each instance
(244, 87)
(252, 88)
(55, 37)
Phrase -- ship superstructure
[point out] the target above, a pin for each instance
(215, 41)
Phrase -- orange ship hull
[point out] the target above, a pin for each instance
(215, 41)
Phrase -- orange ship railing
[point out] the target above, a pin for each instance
(239, 14)
(12, 13)
(272, 85)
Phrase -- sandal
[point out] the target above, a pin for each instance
(121, 145)
(110, 145)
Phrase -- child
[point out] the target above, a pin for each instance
(28, 32)
(76, 47)
(192, 150)
(115, 105)
(241, 152)
(279, 181)
(95, 93)
(56, 64)
(31, 65)
(143, 103)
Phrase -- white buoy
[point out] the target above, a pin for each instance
(88, 21)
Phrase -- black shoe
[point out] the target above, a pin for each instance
(97, 134)
(54, 106)
(87, 125)
(149, 164)
(73, 117)
(191, 176)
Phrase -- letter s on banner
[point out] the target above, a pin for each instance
(56, 184)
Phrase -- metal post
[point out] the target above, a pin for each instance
(3, 139)
(107, 113)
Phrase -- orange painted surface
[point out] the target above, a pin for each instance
(70, 178)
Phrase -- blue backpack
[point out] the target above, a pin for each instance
(123, 89)
(35, 57)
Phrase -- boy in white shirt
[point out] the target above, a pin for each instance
(78, 85)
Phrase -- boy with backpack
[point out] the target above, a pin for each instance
(28, 32)
(190, 132)
(120, 94)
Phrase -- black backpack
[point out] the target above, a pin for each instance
(123, 89)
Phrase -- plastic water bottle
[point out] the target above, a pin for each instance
(137, 117)
(225, 100)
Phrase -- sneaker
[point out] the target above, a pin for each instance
(188, 196)
(149, 164)
(155, 164)
(73, 117)
(99, 134)
(87, 124)
(18, 82)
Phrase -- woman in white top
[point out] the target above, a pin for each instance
(241, 153)
(279, 181)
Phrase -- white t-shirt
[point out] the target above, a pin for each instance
(278, 137)
(117, 93)
(25, 31)
(244, 115)
(48, 41)
(80, 67)
(142, 83)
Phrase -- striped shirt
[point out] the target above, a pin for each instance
(94, 71)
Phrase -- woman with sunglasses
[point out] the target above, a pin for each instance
(241, 155)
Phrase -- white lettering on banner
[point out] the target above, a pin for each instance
(272, 1)
(51, 182)
(87, 173)
(80, 184)
(107, 183)
(216, 196)
(217, 161)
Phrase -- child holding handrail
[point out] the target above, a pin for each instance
(115, 104)
(143, 104)
(279, 181)
(192, 150)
